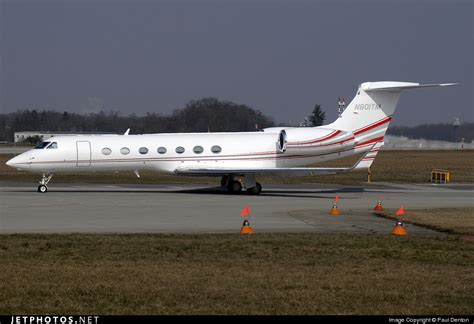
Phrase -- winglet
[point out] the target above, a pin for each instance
(126, 132)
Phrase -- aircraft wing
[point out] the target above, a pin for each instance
(297, 171)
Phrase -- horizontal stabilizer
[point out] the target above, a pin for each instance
(398, 86)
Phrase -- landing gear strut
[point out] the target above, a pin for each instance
(252, 186)
(43, 183)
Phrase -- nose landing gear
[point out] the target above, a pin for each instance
(43, 183)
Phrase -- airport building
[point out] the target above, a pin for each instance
(30, 136)
(405, 143)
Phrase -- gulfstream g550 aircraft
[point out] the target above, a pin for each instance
(236, 157)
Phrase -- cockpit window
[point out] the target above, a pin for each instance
(42, 145)
(53, 145)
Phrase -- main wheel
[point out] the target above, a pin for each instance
(42, 188)
(255, 190)
(235, 186)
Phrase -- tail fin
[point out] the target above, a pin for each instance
(370, 112)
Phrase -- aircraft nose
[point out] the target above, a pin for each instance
(18, 161)
(11, 162)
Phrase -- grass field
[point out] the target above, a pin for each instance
(390, 166)
(458, 221)
(232, 274)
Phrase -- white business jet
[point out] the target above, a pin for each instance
(235, 157)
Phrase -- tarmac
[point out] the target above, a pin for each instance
(101, 208)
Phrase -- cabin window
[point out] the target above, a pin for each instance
(125, 150)
(216, 149)
(161, 150)
(42, 145)
(179, 150)
(53, 145)
(106, 151)
(143, 150)
(198, 149)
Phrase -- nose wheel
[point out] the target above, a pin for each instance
(43, 183)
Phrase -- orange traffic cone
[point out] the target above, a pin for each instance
(378, 207)
(334, 210)
(399, 229)
(246, 228)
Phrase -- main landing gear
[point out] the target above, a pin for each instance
(43, 183)
(235, 186)
(255, 190)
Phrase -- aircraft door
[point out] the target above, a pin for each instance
(83, 153)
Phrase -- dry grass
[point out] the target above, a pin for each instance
(450, 220)
(390, 166)
(231, 274)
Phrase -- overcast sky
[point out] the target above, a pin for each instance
(280, 57)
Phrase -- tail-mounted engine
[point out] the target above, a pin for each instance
(303, 139)
(318, 139)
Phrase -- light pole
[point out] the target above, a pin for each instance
(341, 103)
(456, 124)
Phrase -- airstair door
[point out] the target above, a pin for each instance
(83, 153)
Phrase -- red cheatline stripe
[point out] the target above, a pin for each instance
(376, 124)
(316, 139)
(320, 139)
(322, 145)
(221, 158)
(370, 141)
(378, 121)
(217, 159)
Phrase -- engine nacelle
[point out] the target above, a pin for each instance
(301, 140)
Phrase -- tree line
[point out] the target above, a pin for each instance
(203, 115)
